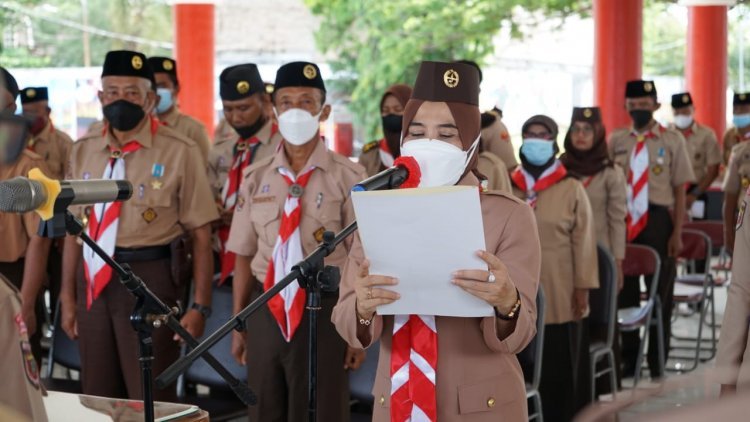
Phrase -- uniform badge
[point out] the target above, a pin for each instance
(240, 202)
(86, 175)
(745, 182)
(137, 62)
(31, 93)
(450, 78)
(657, 169)
(141, 190)
(156, 185)
(318, 234)
(241, 146)
(587, 113)
(167, 65)
(309, 71)
(243, 87)
(29, 364)
(660, 160)
(149, 215)
(157, 170)
(265, 188)
(685, 99)
(648, 87)
(740, 216)
(370, 146)
(296, 190)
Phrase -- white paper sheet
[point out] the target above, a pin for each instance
(421, 236)
(698, 210)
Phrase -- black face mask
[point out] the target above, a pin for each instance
(123, 115)
(641, 118)
(392, 122)
(246, 132)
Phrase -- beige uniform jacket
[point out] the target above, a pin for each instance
(737, 175)
(170, 191)
(669, 164)
(190, 127)
(20, 390)
(703, 149)
(54, 147)
(732, 137)
(478, 376)
(494, 169)
(496, 139)
(370, 158)
(17, 229)
(569, 260)
(607, 192)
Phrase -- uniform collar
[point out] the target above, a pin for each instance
(654, 132)
(318, 159)
(144, 136)
(171, 117)
(264, 134)
(45, 134)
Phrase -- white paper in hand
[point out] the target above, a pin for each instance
(421, 236)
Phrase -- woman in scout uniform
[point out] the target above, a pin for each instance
(471, 360)
(379, 155)
(740, 131)
(569, 265)
(736, 182)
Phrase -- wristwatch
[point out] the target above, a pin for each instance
(204, 310)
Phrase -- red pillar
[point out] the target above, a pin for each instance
(194, 52)
(706, 68)
(618, 28)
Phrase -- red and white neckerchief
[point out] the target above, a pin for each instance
(102, 227)
(525, 181)
(587, 181)
(637, 189)
(386, 156)
(242, 157)
(288, 306)
(414, 350)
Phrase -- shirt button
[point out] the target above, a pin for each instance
(382, 400)
(491, 402)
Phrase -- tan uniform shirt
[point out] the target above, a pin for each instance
(221, 154)
(734, 349)
(703, 149)
(325, 206)
(496, 139)
(494, 169)
(17, 229)
(732, 137)
(170, 192)
(737, 175)
(569, 259)
(669, 164)
(54, 146)
(370, 158)
(21, 390)
(607, 192)
(190, 127)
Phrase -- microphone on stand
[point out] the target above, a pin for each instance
(405, 173)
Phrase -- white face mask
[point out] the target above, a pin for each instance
(682, 121)
(298, 126)
(440, 163)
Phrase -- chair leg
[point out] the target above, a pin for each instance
(641, 351)
(538, 400)
(659, 337)
(592, 367)
(610, 359)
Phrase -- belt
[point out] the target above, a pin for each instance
(149, 253)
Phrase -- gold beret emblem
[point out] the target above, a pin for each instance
(167, 65)
(243, 87)
(685, 99)
(309, 71)
(450, 78)
(648, 87)
(137, 62)
(587, 113)
(31, 93)
(269, 88)
(742, 97)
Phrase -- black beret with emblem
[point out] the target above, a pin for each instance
(586, 114)
(449, 82)
(640, 88)
(33, 94)
(299, 74)
(269, 88)
(127, 63)
(682, 99)
(163, 65)
(9, 82)
(741, 98)
(240, 81)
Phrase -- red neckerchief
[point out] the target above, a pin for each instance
(551, 176)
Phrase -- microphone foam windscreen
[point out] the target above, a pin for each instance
(411, 165)
(20, 195)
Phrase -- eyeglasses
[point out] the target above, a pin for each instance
(586, 130)
(538, 135)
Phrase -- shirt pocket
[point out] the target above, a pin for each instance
(265, 220)
(484, 396)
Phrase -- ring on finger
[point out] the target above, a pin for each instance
(491, 278)
(369, 293)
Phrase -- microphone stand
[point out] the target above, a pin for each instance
(314, 276)
(149, 312)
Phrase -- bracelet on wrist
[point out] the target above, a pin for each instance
(513, 314)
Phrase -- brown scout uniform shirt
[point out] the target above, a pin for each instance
(54, 146)
(737, 177)
(734, 348)
(21, 390)
(325, 206)
(669, 164)
(496, 139)
(189, 127)
(607, 192)
(732, 137)
(17, 229)
(170, 192)
(702, 148)
(494, 169)
(370, 158)
(221, 154)
(569, 259)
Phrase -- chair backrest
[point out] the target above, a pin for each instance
(362, 379)
(603, 301)
(644, 261)
(696, 245)
(714, 230)
(530, 357)
(200, 372)
(63, 351)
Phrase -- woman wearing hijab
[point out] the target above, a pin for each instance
(569, 264)
(450, 369)
(379, 155)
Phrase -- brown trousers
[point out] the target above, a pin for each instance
(13, 271)
(109, 345)
(277, 370)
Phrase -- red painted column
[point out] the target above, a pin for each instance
(618, 28)
(706, 68)
(194, 52)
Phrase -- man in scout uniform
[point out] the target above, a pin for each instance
(23, 257)
(286, 202)
(656, 166)
(168, 89)
(702, 148)
(740, 132)
(169, 197)
(736, 182)
(251, 136)
(379, 155)
(49, 142)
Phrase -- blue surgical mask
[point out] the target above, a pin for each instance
(741, 120)
(165, 100)
(537, 151)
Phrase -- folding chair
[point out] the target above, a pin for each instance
(715, 231)
(603, 313)
(532, 356)
(63, 352)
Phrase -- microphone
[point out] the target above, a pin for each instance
(39, 193)
(405, 173)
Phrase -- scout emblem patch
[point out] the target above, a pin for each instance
(149, 215)
(243, 87)
(657, 169)
(450, 78)
(265, 188)
(157, 170)
(296, 190)
(310, 72)
(137, 62)
(740, 216)
(319, 234)
(29, 364)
